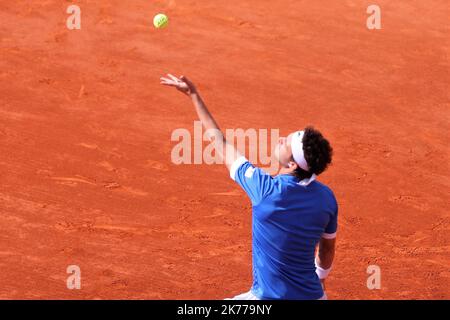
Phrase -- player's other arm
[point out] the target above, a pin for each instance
(326, 252)
(228, 153)
(325, 257)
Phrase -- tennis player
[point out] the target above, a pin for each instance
(293, 213)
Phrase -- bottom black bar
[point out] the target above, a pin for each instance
(202, 309)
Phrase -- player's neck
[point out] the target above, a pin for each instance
(284, 170)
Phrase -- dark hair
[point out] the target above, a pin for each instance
(317, 151)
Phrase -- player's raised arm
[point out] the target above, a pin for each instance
(228, 153)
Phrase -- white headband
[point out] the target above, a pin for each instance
(297, 150)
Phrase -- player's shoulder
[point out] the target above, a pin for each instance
(325, 189)
(250, 169)
(323, 186)
(252, 175)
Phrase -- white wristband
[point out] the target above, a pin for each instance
(321, 272)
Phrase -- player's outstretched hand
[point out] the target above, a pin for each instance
(182, 84)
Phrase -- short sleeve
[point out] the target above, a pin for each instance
(256, 182)
(331, 228)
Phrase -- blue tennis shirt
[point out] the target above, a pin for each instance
(289, 218)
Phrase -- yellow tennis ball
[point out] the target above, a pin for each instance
(160, 21)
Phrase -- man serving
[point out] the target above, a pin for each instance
(293, 213)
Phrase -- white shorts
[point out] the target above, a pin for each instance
(244, 296)
(250, 296)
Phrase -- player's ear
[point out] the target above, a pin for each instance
(292, 165)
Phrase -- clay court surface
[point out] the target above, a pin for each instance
(85, 128)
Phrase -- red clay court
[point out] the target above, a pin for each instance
(85, 127)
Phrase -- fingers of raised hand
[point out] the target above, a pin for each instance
(173, 78)
(181, 83)
(170, 82)
(165, 80)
